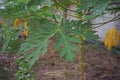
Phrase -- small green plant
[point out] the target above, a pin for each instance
(24, 72)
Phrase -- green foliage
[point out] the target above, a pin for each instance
(44, 23)
(24, 72)
(93, 8)
(37, 41)
(10, 39)
(65, 40)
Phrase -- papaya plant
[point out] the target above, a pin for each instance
(36, 21)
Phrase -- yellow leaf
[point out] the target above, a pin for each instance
(16, 22)
(25, 32)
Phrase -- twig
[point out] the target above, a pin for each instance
(103, 23)
(66, 13)
(63, 6)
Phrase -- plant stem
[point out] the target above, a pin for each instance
(81, 62)
(58, 3)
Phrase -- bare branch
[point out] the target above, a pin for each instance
(103, 23)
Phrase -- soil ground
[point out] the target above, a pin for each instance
(99, 64)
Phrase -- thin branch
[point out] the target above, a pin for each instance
(66, 13)
(103, 23)
(63, 6)
(107, 21)
(50, 19)
(55, 19)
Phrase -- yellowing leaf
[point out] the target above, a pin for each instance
(25, 32)
(16, 22)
